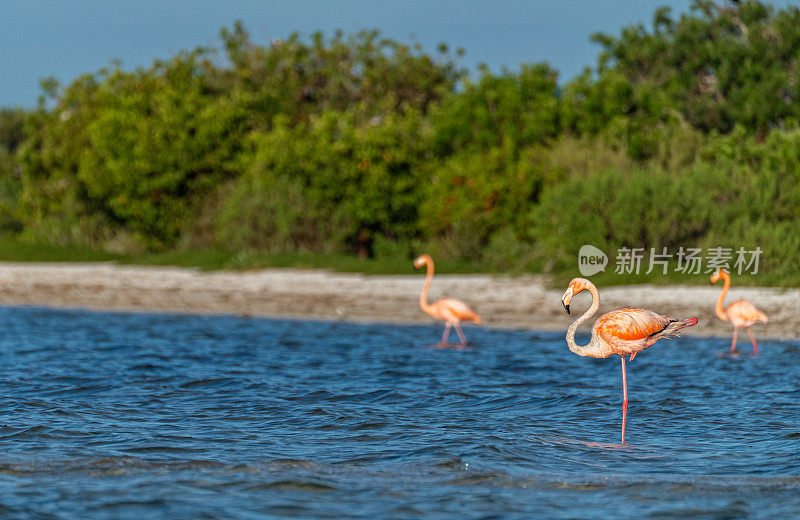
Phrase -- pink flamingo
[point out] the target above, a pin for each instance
(622, 331)
(740, 313)
(452, 311)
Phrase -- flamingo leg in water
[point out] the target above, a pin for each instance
(624, 398)
(733, 343)
(446, 334)
(753, 339)
(461, 334)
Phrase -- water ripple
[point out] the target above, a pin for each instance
(173, 416)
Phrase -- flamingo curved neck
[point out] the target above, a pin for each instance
(718, 308)
(593, 348)
(423, 297)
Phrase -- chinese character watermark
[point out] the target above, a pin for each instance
(689, 260)
(629, 260)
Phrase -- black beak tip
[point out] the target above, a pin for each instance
(566, 307)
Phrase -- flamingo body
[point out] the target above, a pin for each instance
(627, 330)
(449, 310)
(452, 311)
(740, 313)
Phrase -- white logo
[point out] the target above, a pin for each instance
(591, 260)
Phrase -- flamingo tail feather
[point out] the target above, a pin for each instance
(672, 330)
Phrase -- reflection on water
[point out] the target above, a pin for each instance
(168, 416)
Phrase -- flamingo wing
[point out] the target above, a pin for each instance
(743, 313)
(627, 329)
(452, 309)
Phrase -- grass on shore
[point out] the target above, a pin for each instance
(13, 249)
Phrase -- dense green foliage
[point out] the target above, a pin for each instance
(12, 124)
(685, 134)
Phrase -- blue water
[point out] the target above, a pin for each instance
(168, 416)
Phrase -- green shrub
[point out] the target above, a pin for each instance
(269, 214)
(158, 147)
(359, 180)
(731, 198)
(510, 110)
(12, 134)
(362, 73)
(473, 195)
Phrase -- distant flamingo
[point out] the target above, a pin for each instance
(622, 331)
(452, 311)
(740, 313)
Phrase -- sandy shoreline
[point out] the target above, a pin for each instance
(522, 302)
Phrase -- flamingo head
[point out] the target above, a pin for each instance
(721, 273)
(422, 260)
(575, 286)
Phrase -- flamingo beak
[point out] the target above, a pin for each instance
(566, 299)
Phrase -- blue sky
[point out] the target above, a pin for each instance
(65, 38)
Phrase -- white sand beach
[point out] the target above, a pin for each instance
(514, 302)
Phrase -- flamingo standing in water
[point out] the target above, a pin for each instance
(622, 331)
(452, 311)
(740, 313)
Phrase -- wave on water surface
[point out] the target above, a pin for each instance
(110, 415)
